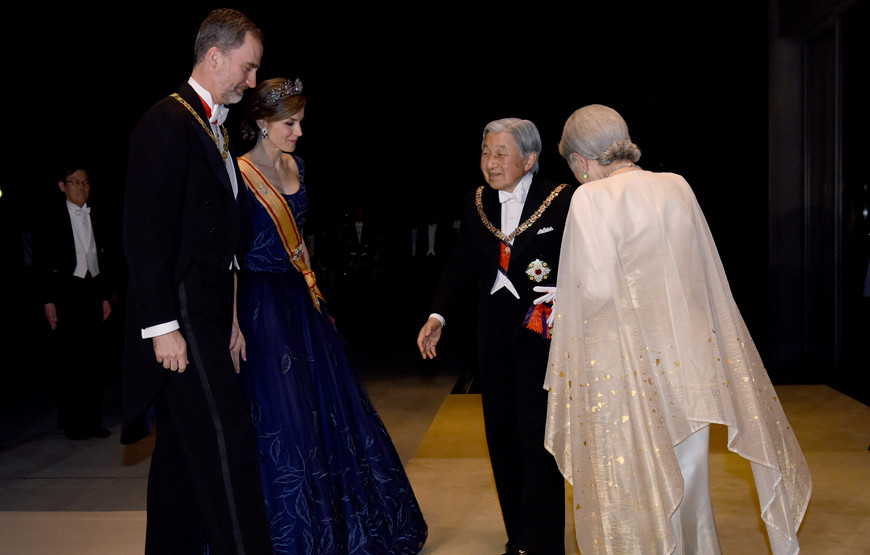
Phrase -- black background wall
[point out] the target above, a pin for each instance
(397, 100)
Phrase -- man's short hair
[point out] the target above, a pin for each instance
(224, 28)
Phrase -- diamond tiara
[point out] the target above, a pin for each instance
(285, 89)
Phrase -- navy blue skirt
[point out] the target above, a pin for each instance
(333, 481)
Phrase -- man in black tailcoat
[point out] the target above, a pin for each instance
(509, 244)
(76, 291)
(182, 232)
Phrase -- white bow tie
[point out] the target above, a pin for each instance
(516, 194)
(83, 211)
(219, 114)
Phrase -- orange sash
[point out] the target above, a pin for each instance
(275, 204)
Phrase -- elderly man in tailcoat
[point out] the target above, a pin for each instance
(508, 254)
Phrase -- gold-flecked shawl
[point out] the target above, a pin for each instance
(648, 346)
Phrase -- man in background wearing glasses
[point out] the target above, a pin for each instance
(76, 295)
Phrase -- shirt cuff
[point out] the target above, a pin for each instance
(160, 329)
(439, 318)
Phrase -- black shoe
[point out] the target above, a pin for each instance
(512, 549)
(75, 435)
(99, 432)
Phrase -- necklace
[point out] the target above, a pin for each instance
(506, 239)
(629, 165)
(226, 146)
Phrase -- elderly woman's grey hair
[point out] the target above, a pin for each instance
(524, 133)
(599, 133)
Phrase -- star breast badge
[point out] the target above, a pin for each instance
(538, 271)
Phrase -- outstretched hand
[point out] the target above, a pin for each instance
(428, 338)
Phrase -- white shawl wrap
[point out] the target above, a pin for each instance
(648, 346)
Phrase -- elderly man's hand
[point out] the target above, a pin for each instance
(428, 337)
(549, 296)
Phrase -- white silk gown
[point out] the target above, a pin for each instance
(649, 347)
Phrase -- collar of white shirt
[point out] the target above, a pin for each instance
(218, 111)
(520, 191)
(75, 209)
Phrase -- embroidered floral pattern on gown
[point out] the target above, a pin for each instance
(333, 481)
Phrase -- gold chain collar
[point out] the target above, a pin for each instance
(523, 226)
(223, 150)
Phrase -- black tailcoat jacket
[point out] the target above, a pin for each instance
(475, 261)
(56, 255)
(80, 359)
(512, 359)
(182, 228)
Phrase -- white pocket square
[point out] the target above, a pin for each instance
(545, 230)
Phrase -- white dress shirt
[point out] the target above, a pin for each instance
(433, 228)
(511, 211)
(86, 245)
(218, 116)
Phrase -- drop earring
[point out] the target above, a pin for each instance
(264, 133)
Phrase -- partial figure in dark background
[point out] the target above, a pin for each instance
(357, 287)
(435, 240)
(424, 246)
(76, 288)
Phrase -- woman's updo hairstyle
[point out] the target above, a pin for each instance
(272, 100)
(599, 133)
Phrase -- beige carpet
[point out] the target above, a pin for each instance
(451, 476)
(448, 466)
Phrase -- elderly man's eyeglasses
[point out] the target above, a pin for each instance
(78, 182)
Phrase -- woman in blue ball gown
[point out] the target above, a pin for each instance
(333, 481)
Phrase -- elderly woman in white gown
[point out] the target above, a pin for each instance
(648, 350)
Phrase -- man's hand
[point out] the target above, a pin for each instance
(428, 338)
(107, 310)
(237, 347)
(549, 296)
(51, 315)
(171, 351)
